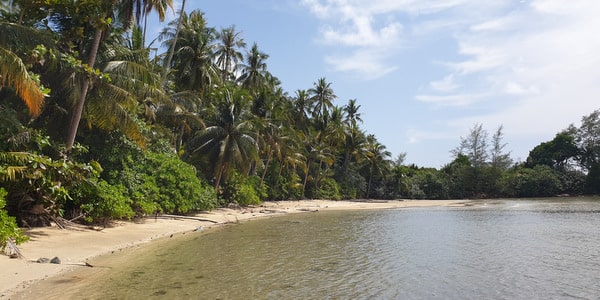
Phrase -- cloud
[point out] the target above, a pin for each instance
(445, 85)
(452, 99)
(365, 37)
(532, 65)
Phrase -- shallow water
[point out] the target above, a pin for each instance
(502, 249)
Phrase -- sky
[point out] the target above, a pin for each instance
(425, 72)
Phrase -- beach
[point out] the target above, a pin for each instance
(75, 247)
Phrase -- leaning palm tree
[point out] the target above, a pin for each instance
(100, 14)
(228, 144)
(227, 54)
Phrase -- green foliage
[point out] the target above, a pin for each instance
(288, 186)
(163, 183)
(242, 191)
(592, 181)
(8, 225)
(351, 184)
(328, 189)
(101, 202)
(45, 180)
(555, 153)
(541, 181)
(429, 184)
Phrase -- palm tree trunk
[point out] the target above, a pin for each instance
(305, 177)
(144, 32)
(78, 108)
(220, 175)
(262, 178)
(172, 48)
(369, 185)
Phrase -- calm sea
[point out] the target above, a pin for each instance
(501, 249)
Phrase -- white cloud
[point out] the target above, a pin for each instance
(532, 65)
(452, 99)
(445, 85)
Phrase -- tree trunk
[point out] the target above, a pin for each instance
(220, 175)
(78, 108)
(172, 48)
(306, 178)
(369, 185)
(262, 178)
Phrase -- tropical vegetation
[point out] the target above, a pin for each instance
(95, 126)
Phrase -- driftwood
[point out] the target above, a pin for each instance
(162, 216)
(12, 250)
(63, 223)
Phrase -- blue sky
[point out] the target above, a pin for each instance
(425, 71)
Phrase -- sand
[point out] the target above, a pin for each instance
(75, 247)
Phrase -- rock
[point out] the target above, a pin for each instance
(43, 260)
(55, 260)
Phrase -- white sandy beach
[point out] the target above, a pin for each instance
(76, 247)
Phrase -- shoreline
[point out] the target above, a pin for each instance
(75, 247)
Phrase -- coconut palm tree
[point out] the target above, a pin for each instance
(228, 144)
(138, 10)
(352, 114)
(377, 159)
(193, 60)
(174, 38)
(255, 68)
(301, 109)
(13, 73)
(227, 54)
(321, 96)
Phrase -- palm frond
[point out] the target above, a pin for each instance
(13, 73)
(14, 36)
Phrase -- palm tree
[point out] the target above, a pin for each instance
(228, 144)
(175, 38)
(377, 158)
(100, 14)
(139, 10)
(103, 12)
(352, 114)
(181, 116)
(13, 73)
(227, 55)
(193, 60)
(255, 69)
(302, 106)
(322, 97)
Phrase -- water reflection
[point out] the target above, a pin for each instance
(504, 249)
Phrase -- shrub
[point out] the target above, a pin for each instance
(328, 189)
(163, 183)
(8, 226)
(241, 191)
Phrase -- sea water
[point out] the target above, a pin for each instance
(500, 249)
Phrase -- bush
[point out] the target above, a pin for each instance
(328, 189)
(241, 191)
(163, 183)
(541, 181)
(8, 226)
(104, 202)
